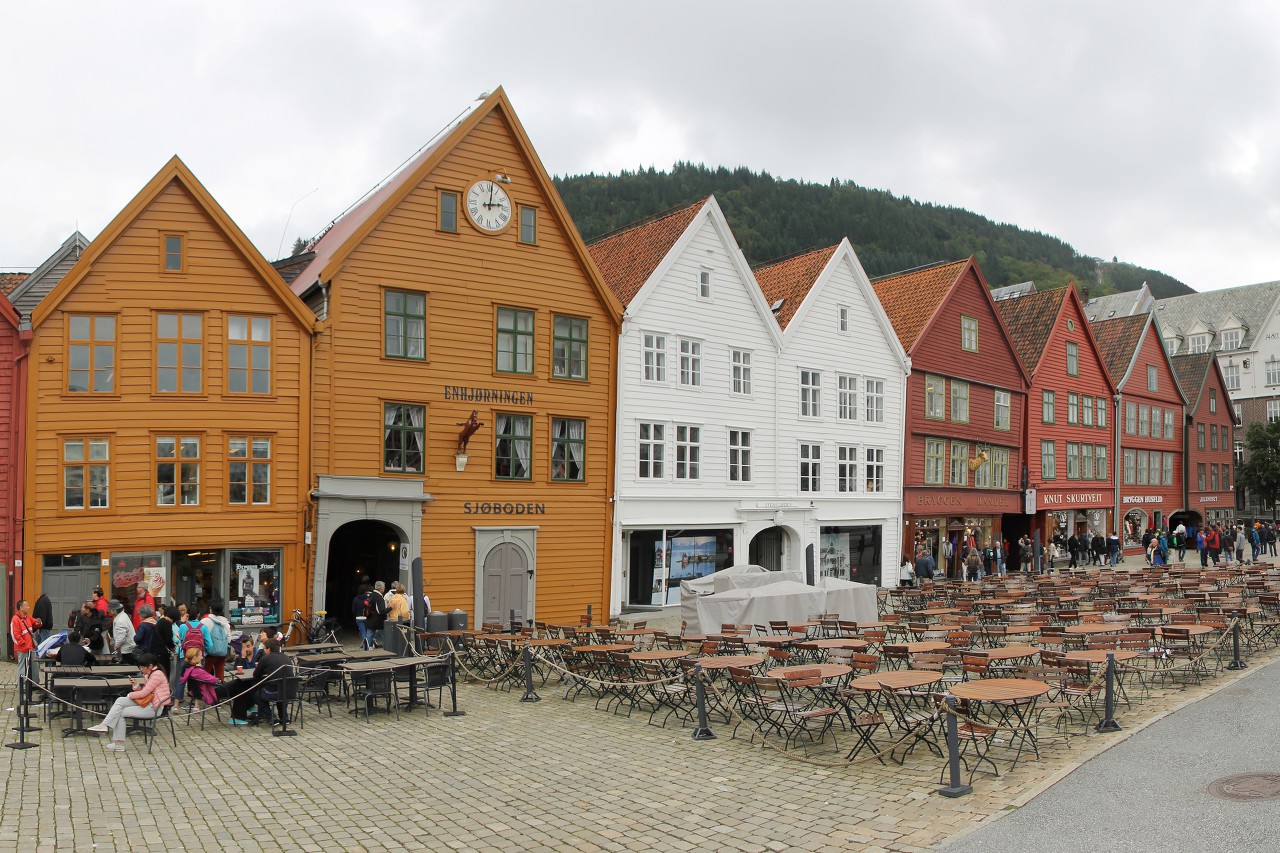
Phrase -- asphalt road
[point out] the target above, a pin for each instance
(1150, 792)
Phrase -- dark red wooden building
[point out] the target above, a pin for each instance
(1208, 445)
(1151, 422)
(1069, 436)
(966, 401)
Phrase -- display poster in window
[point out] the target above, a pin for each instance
(835, 556)
(254, 594)
(659, 574)
(691, 557)
(129, 570)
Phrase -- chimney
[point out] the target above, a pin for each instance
(1084, 295)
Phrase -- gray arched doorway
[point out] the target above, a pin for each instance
(359, 549)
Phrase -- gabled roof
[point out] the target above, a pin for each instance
(8, 313)
(1030, 320)
(788, 282)
(1191, 370)
(1118, 340)
(174, 171)
(910, 299)
(48, 274)
(1252, 303)
(628, 257)
(10, 280)
(1013, 291)
(1123, 304)
(334, 247)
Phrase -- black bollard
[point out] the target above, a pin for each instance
(954, 788)
(588, 615)
(1108, 723)
(530, 695)
(702, 731)
(453, 686)
(1236, 662)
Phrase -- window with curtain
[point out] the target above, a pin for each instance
(568, 449)
(404, 320)
(403, 438)
(513, 450)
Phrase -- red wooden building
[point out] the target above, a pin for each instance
(966, 401)
(13, 351)
(1208, 445)
(1069, 429)
(1150, 413)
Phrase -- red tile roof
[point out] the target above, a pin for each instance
(790, 280)
(1029, 320)
(1190, 369)
(911, 298)
(628, 257)
(9, 281)
(1118, 339)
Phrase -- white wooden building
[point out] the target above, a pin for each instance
(702, 480)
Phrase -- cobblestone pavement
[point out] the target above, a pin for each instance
(552, 775)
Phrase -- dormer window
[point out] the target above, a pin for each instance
(1171, 346)
(1230, 339)
(704, 284)
(1198, 343)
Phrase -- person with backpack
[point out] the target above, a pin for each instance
(359, 608)
(375, 615)
(216, 631)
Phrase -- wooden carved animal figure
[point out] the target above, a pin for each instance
(469, 427)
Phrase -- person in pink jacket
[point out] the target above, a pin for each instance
(144, 702)
(198, 681)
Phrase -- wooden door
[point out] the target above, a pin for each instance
(506, 583)
(68, 588)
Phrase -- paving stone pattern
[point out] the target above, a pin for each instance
(552, 775)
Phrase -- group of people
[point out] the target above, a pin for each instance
(375, 605)
(1219, 543)
(1086, 549)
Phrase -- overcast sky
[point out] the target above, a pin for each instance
(1143, 130)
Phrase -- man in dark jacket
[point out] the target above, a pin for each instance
(43, 610)
(1099, 549)
(92, 627)
(1074, 549)
(275, 665)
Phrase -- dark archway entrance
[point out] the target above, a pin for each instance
(767, 547)
(359, 549)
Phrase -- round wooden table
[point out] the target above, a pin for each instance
(1194, 629)
(544, 643)
(824, 670)
(835, 643)
(635, 632)
(658, 655)
(873, 623)
(926, 646)
(999, 689)
(773, 642)
(1006, 652)
(1086, 628)
(933, 611)
(902, 679)
(1100, 655)
(714, 662)
(604, 647)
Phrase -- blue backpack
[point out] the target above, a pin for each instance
(218, 640)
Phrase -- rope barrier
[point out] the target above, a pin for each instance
(603, 683)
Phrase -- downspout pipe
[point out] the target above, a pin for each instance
(1117, 467)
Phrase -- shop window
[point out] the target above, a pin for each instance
(513, 449)
(177, 470)
(404, 320)
(254, 587)
(91, 353)
(86, 473)
(569, 348)
(851, 553)
(403, 438)
(132, 568)
(515, 341)
(740, 455)
(568, 449)
(248, 355)
(1135, 524)
(179, 353)
(249, 470)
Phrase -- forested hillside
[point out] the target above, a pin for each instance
(773, 218)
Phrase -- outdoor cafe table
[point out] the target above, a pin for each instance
(1193, 629)
(1006, 652)
(635, 632)
(1011, 702)
(605, 647)
(712, 663)
(933, 611)
(774, 642)
(824, 670)
(118, 685)
(657, 655)
(312, 647)
(902, 679)
(926, 646)
(364, 667)
(1100, 655)
(1087, 628)
(835, 643)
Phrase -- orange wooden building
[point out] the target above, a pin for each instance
(461, 286)
(167, 399)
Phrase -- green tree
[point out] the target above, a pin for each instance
(1260, 471)
(299, 246)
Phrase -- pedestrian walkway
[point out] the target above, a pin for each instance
(1152, 790)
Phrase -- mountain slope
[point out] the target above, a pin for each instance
(774, 218)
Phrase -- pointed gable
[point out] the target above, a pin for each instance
(350, 232)
(1118, 340)
(628, 257)
(787, 282)
(46, 276)
(911, 299)
(1030, 320)
(175, 174)
(7, 312)
(1191, 370)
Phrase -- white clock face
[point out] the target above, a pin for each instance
(489, 206)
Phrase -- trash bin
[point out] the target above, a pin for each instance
(437, 621)
(393, 637)
(458, 620)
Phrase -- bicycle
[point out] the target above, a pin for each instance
(320, 628)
